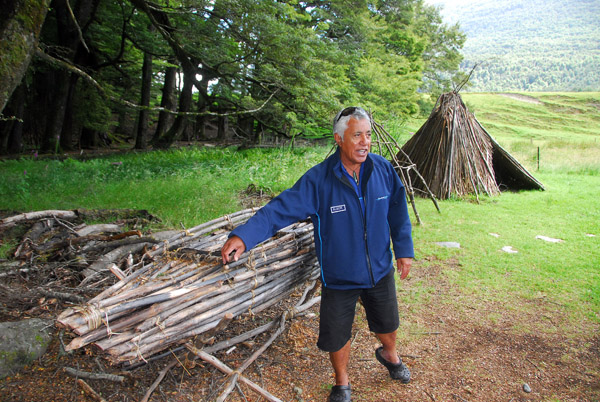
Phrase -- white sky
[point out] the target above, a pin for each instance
(448, 3)
(450, 8)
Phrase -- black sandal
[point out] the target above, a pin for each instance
(340, 393)
(398, 371)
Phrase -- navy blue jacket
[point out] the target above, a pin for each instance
(353, 249)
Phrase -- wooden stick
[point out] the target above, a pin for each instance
(108, 258)
(156, 340)
(158, 380)
(98, 228)
(238, 372)
(90, 390)
(161, 303)
(29, 216)
(93, 376)
(146, 342)
(223, 368)
(61, 295)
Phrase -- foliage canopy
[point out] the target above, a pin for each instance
(227, 67)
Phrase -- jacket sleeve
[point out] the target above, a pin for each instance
(398, 219)
(292, 205)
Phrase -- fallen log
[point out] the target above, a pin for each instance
(99, 228)
(82, 214)
(93, 376)
(110, 258)
(36, 215)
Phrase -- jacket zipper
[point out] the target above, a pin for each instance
(364, 222)
(366, 243)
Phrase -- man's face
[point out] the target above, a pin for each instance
(356, 143)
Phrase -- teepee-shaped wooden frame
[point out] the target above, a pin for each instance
(457, 156)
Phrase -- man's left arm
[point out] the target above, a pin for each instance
(400, 226)
(404, 264)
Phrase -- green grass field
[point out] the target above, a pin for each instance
(193, 185)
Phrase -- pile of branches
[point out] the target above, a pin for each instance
(134, 296)
(54, 250)
(189, 292)
(452, 151)
(171, 286)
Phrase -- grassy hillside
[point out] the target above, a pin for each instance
(564, 126)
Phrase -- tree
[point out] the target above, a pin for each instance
(20, 25)
(167, 101)
(141, 139)
(259, 67)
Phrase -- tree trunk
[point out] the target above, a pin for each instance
(56, 115)
(11, 134)
(20, 25)
(89, 138)
(185, 102)
(222, 128)
(203, 103)
(246, 126)
(141, 140)
(72, 49)
(68, 139)
(165, 119)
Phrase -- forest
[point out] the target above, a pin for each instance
(137, 73)
(529, 45)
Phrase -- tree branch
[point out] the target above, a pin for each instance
(75, 70)
(76, 25)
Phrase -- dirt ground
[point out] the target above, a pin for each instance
(459, 347)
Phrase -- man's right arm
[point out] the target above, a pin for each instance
(233, 244)
(290, 206)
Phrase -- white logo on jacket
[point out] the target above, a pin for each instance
(338, 208)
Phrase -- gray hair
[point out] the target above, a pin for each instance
(340, 122)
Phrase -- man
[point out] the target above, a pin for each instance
(356, 202)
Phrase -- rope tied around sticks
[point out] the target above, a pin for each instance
(165, 246)
(160, 324)
(229, 226)
(91, 314)
(139, 353)
(136, 342)
(108, 330)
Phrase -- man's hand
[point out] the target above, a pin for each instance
(234, 243)
(403, 265)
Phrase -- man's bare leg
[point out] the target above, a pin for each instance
(389, 352)
(388, 356)
(339, 361)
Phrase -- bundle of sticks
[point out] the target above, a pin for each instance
(184, 290)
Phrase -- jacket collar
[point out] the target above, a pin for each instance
(335, 162)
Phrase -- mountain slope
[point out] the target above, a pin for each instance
(529, 45)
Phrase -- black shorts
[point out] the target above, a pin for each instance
(338, 307)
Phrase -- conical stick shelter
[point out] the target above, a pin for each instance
(456, 156)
